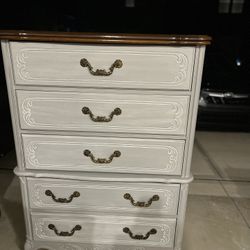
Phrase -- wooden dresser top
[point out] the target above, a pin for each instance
(103, 38)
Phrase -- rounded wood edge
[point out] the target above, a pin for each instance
(99, 38)
(110, 177)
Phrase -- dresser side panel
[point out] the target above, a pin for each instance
(192, 119)
(8, 67)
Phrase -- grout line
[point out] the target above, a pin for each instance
(222, 180)
(235, 204)
(209, 159)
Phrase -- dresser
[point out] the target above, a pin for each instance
(104, 128)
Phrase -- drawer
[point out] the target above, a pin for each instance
(140, 66)
(118, 197)
(98, 154)
(103, 112)
(120, 230)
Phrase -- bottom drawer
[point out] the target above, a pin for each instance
(96, 229)
(41, 245)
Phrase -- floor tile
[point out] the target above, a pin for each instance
(5, 179)
(8, 161)
(213, 221)
(206, 188)
(240, 193)
(229, 153)
(201, 167)
(12, 229)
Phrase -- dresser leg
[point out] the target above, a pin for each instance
(28, 245)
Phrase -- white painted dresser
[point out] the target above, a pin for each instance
(104, 128)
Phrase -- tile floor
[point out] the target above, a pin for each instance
(218, 212)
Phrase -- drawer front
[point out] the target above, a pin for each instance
(104, 229)
(98, 154)
(142, 67)
(155, 199)
(124, 113)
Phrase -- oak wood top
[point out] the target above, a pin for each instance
(104, 38)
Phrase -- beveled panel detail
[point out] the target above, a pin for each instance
(143, 67)
(159, 114)
(104, 196)
(132, 155)
(109, 227)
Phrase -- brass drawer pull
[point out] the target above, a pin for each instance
(101, 160)
(53, 227)
(139, 236)
(62, 200)
(101, 72)
(87, 111)
(128, 196)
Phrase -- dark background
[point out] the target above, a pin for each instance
(227, 62)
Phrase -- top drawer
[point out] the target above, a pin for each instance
(139, 66)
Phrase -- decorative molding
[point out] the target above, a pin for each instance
(182, 61)
(24, 54)
(173, 158)
(38, 196)
(176, 110)
(170, 199)
(40, 229)
(31, 154)
(42, 232)
(166, 235)
(26, 112)
(117, 177)
(21, 61)
(33, 146)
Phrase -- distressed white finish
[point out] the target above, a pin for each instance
(137, 155)
(157, 90)
(40, 245)
(104, 229)
(159, 114)
(114, 177)
(104, 196)
(143, 67)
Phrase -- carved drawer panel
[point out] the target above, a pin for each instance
(125, 113)
(98, 154)
(154, 199)
(85, 246)
(97, 66)
(120, 230)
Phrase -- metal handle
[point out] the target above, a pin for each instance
(139, 236)
(128, 196)
(101, 72)
(101, 160)
(62, 200)
(53, 227)
(87, 111)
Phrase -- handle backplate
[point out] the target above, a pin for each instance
(101, 72)
(87, 111)
(139, 236)
(64, 233)
(62, 200)
(128, 196)
(101, 160)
